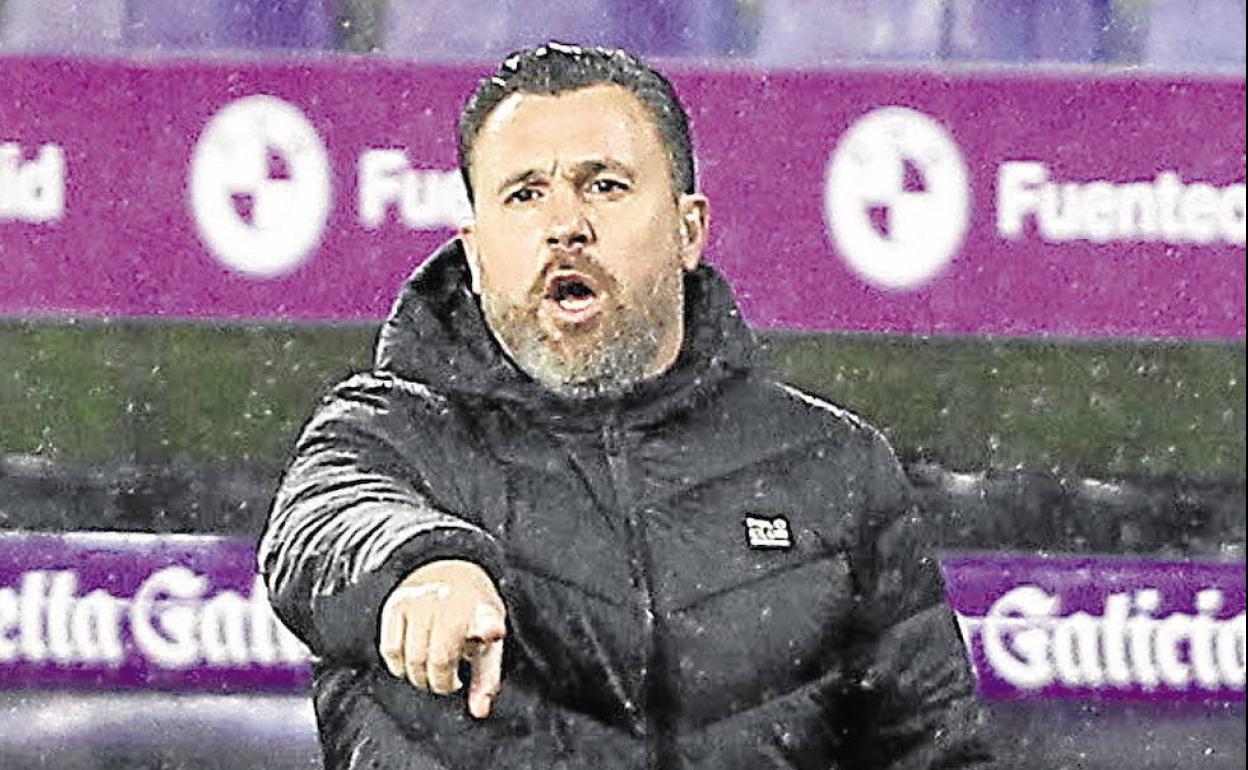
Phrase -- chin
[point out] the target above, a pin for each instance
(584, 390)
(589, 375)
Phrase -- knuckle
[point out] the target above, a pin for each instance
(408, 605)
(416, 675)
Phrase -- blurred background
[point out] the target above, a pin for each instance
(1121, 446)
(1163, 34)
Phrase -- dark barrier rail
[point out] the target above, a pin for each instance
(1163, 516)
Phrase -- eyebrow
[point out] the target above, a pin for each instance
(514, 179)
(581, 170)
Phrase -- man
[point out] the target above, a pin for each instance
(568, 520)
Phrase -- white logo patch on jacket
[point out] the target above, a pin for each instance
(768, 533)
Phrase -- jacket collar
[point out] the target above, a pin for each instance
(436, 335)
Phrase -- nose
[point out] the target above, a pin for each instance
(569, 225)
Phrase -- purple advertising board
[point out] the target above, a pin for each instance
(131, 610)
(108, 610)
(967, 202)
(1101, 628)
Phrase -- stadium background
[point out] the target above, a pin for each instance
(181, 426)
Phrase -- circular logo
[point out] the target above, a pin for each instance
(259, 186)
(897, 197)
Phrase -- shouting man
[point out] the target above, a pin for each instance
(569, 521)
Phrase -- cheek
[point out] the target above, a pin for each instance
(651, 252)
(502, 281)
(507, 268)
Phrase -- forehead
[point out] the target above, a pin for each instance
(595, 122)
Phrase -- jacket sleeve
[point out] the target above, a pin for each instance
(910, 685)
(353, 516)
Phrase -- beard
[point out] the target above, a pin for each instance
(605, 356)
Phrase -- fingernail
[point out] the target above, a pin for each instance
(481, 706)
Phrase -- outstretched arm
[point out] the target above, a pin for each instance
(376, 561)
(354, 517)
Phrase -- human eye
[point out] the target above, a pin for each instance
(521, 195)
(608, 186)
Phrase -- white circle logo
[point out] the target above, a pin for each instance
(259, 186)
(897, 197)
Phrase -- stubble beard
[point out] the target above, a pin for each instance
(606, 356)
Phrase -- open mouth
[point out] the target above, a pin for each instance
(572, 297)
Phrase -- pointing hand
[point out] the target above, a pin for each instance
(444, 612)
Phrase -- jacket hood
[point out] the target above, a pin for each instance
(436, 335)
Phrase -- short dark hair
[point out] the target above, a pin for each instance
(555, 68)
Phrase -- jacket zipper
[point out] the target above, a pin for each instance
(639, 568)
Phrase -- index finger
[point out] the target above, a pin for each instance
(487, 679)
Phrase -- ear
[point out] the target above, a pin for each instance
(468, 238)
(694, 212)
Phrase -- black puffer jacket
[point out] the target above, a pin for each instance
(652, 624)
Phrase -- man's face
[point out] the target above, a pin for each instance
(580, 243)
